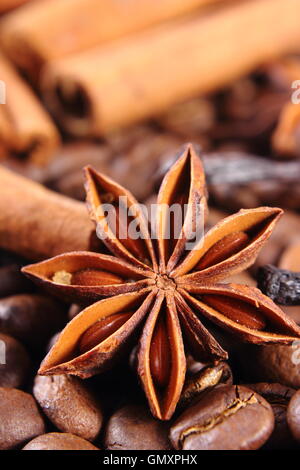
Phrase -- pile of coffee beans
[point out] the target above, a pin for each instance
(250, 402)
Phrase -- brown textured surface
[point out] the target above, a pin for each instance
(227, 418)
(293, 415)
(31, 318)
(69, 405)
(133, 428)
(13, 373)
(20, 419)
(59, 441)
(279, 397)
(274, 363)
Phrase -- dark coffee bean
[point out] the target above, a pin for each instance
(14, 364)
(72, 184)
(69, 405)
(190, 119)
(279, 397)
(59, 441)
(12, 281)
(31, 318)
(204, 380)
(293, 416)
(273, 363)
(133, 428)
(226, 418)
(20, 419)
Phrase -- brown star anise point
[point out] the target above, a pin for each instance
(159, 288)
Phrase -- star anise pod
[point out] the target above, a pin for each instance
(160, 289)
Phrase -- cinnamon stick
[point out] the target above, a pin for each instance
(50, 29)
(25, 127)
(129, 80)
(6, 5)
(38, 223)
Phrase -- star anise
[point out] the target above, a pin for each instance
(159, 288)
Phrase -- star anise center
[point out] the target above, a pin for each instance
(166, 283)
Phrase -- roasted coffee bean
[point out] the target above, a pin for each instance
(69, 405)
(226, 418)
(101, 330)
(135, 166)
(19, 417)
(279, 397)
(133, 428)
(191, 118)
(293, 416)
(64, 173)
(12, 281)
(272, 363)
(202, 381)
(160, 354)
(281, 285)
(193, 366)
(123, 139)
(31, 318)
(59, 441)
(14, 362)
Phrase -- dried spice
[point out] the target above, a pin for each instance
(281, 285)
(167, 287)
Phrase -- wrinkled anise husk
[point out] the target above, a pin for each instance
(161, 279)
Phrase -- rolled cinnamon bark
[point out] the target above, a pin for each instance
(6, 5)
(25, 127)
(125, 81)
(38, 223)
(50, 29)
